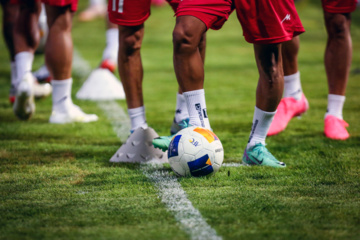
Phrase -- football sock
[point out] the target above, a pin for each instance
(61, 96)
(292, 86)
(181, 111)
(112, 44)
(23, 64)
(260, 127)
(13, 74)
(335, 105)
(196, 105)
(137, 117)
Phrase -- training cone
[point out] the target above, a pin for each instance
(138, 148)
(101, 85)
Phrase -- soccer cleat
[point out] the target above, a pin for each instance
(335, 128)
(163, 142)
(93, 12)
(42, 90)
(175, 127)
(72, 114)
(108, 64)
(12, 94)
(287, 109)
(259, 155)
(42, 75)
(24, 105)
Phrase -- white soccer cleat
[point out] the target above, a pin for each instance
(72, 114)
(24, 105)
(42, 90)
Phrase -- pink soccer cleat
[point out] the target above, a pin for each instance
(335, 128)
(288, 108)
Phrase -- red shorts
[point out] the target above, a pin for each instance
(61, 3)
(339, 6)
(268, 21)
(213, 13)
(131, 12)
(58, 3)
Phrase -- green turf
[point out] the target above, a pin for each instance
(56, 181)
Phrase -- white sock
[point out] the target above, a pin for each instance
(61, 95)
(137, 117)
(335, 105)
(23, 64)
(196, 105)
(260, 127)
(97, 2)
(292, 86)
(13, 74)
(181, 111)
(112, 45)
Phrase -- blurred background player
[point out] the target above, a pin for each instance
(58, 54)
(96, 9)
(193, 19)
(110, 53)
(10, 15)
(338, 55)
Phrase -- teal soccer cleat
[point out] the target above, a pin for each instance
(177, 126)
(259, 155)
(163, 142)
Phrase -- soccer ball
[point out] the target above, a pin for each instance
(195, 151)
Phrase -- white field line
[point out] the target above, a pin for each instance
(170, 190)
(118, 118)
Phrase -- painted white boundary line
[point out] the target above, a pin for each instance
(117, 117)
(170, 190)
(174, 197)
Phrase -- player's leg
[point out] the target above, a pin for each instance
(189, 70)
(96, 8)
(58, 54)
(189, 66)
(181, 118)
(268, 94)
(10, 13)
(338, 55)
(110, 53)
(131, 72)
(26, 39)
(192, 22)
(294, 102)
(284, 22)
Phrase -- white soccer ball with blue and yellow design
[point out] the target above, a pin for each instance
(195, 151)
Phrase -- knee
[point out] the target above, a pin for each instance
(337, 26)
(184, 41)
(130, 43)
(271, 64)
(63, 22)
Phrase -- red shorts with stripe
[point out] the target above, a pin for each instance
(58, 3)
(132, 12)
(339, 6)
(268, 21)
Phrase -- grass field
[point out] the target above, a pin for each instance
(56, 181)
